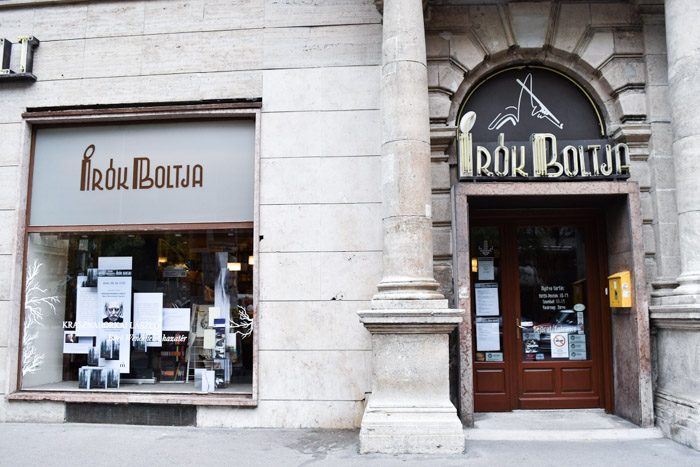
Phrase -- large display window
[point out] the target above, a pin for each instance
(135, 310)
(140, 259)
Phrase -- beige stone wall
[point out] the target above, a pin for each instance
(316, 68)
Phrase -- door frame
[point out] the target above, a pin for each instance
(631, 394)
(591, 219)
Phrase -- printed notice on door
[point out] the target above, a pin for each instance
(485, 268)
(486, 299)
(487, 334)
(560, 345)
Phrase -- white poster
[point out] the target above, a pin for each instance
(73, 343)
(560, 345)
(176, 319)
(487, 334)
(148, 318)
(86, 323)
(485, 269)
(486, 299)
(114, 307)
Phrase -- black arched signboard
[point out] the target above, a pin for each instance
(533, 123)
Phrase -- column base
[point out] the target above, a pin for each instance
(408, 289)
(426, 430)
(409, 410)
(687, 293)
(678, 419)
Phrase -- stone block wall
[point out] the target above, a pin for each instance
(316, 68)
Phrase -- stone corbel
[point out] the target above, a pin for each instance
(637, 136)
(442, 138)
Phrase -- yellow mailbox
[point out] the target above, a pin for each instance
(620, 290)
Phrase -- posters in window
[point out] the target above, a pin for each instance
(114, 312)
(73, 343)
(577, 347)
(85, 308)
(560, 344)
(176, 319)
(148, 320)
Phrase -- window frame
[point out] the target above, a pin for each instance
(63, 118)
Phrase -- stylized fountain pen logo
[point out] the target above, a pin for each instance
(539, 110)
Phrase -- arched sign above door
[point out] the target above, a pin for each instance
(530, 122)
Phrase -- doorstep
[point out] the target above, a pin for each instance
(560, 425)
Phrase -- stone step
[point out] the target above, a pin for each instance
(560, 425)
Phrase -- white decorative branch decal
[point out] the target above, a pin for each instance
(539, 110)
(245, 325)
(35, 302)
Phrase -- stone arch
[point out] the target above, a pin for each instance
(598, 45)
(597, 87)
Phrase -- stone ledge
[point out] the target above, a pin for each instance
(411, 321)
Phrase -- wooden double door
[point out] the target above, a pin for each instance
(540, 324)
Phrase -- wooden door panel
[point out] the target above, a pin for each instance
(490, 381)
(576, 380)
(538, 380)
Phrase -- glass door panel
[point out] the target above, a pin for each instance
(486, 276)
(552, 275)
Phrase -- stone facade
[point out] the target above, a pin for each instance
(319, 192)
(326, 200)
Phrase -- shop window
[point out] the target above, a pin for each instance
(140, 259)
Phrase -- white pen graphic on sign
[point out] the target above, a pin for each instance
(539, 110)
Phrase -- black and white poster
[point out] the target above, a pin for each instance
(114, 312)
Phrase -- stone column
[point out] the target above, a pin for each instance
(676, 314)
(409, 410)
(408, 249)
(683, 43)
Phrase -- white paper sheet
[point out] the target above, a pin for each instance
(214, 313)
(114, 262)
(560, 345)
(200, 380)
(72, 343)
(86, 323)
(210, 376)
(487, 335)
(486, 299)
(176, 319)
(485, 268)
(209, 339)
(148, 317)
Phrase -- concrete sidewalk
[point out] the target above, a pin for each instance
(29, 444)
